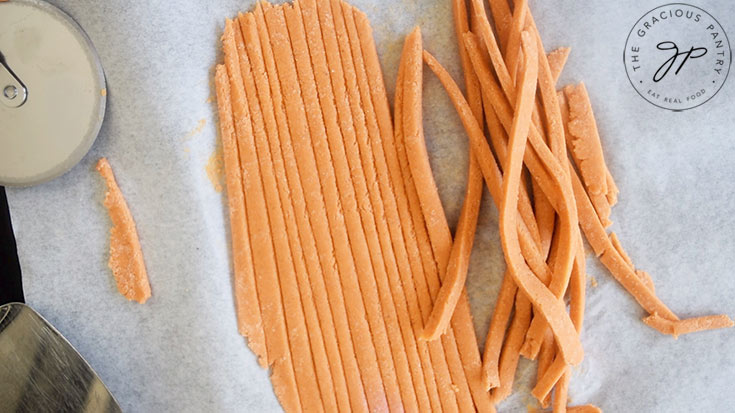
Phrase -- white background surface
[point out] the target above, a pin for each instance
(180, 352)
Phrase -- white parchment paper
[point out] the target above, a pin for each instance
(180, 352)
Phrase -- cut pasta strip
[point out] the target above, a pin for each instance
(511, 349)
(585, 139)
(512, 49)
(545, 358)
(557, 60)
(586, 408)
(247, 305)
(619, 248)
(502, 16)
(690, 325)
(599, 201)
(577, 299)
(495, 334)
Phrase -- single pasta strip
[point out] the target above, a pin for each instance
(577, 286)
(619, 248)
(511, 348)
(576, 312)
(307, 347)
(502, 16)
(550, 378)
(327, 291)
(496, 332)
(512, 48)
(585, 140)
(561, 393)
(418, 159)
(599, 201)
(690, 325)
(266, 272)
(126, 256)
(586, 408)
(247, 307)
(545, 358)
(557, 60)
(545, 215)
(316, 177)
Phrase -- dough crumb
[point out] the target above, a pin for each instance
(215, 169)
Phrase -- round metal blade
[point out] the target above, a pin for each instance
(52, 93)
